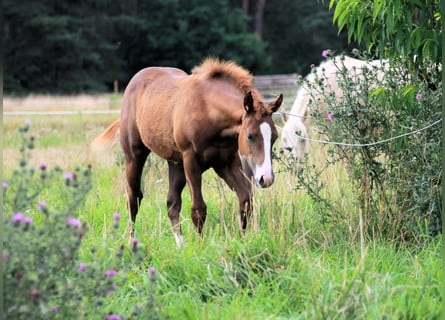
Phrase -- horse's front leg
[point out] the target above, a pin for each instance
(193, 174)
(176, 183)
(234, 176)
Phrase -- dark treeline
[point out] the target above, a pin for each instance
(83, 46)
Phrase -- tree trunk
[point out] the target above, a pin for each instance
(259, 15)
(245, 4)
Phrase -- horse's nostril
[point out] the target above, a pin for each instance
(261, 181)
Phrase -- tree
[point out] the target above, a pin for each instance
(183, 33)
(70, 47)
(259, 17)
(57, 47)
(394, 28)
(297, 34)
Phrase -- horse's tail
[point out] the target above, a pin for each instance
(108, 138)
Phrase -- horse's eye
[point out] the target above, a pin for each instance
(250, 137)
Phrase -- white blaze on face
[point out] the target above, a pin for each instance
(263, 172)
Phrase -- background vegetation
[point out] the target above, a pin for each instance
(70, 47)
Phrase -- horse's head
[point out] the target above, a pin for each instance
(294, 139)
(256, 137)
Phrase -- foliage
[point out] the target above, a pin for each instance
(394, 28)
(44, 275)
(182, 33)
(397, 182)
(68, 47)
(56, 47)
(295, 36)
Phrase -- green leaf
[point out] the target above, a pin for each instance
(378, 92)
(407, 91)
(378, 4)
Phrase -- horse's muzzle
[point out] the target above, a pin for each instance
(265, 181)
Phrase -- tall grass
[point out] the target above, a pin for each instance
(291, 264)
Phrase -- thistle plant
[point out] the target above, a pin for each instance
(46, 271)
(379, 113)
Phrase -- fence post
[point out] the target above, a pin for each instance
(115, 87)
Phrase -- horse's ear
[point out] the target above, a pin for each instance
(248, 102)
(276, 105)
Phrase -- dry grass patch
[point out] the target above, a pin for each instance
(65, 103)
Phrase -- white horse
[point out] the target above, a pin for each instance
(294, 135)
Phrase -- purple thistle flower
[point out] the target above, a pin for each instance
(55, 309)
(41, 205)
(117, 216)
(112, 317)
(330, 116)
(73, 222)
(42, 166)
(419, 96)
(135, 241)
(27, 220)
(110, 273)
(325, 53)
(152, 271)
(68, 175)
(5, 256)
(35, 294)
(18, 217)
(82, 267)
(5, 185)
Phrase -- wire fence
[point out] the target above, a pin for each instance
(346, 144)
(59, 112)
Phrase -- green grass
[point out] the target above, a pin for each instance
(289, 265)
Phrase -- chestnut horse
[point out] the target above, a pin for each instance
(212, 118)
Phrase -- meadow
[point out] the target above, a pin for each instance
(290, 264)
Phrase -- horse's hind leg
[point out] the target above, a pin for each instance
(135, 160)
(176, 183)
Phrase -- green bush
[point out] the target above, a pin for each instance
(394, 165)
(47, 273)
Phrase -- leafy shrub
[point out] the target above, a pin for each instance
(45, 274)
(393, 164)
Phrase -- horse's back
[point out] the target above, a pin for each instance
(157, 79)
(147, 110)
(355, 67)
(310, 89)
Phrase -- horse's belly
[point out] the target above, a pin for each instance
(163, 146)
(159, 139)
